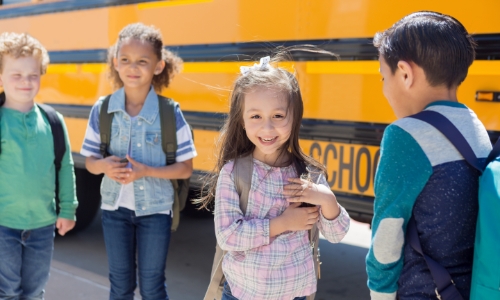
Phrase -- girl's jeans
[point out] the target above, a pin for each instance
(150, 235)
(26, 252)
(226, 294)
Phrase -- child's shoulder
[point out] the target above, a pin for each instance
(228, 167)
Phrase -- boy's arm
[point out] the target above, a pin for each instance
(67, 192)
(402, 173)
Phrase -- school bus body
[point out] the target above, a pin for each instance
(345, 110)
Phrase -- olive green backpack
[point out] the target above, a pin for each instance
(169, 145)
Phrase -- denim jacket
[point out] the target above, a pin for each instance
(152, 195)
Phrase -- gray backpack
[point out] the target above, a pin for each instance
(242, 170)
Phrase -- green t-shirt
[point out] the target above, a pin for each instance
(27, 172)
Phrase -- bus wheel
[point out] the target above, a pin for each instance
(89, 197)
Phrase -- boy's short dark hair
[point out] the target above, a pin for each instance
(438, 43)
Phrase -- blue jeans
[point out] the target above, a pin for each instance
(25, 257)
(226, 294)
(124, 233)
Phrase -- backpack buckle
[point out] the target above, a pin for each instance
(438, 296)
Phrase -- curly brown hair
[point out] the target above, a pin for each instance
(151, 35)
(22, 45)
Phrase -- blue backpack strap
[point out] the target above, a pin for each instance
(494, 153)
(445, 287)
(451, 132)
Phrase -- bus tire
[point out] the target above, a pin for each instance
(89, 198)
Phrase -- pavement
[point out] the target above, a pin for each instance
(79, 267)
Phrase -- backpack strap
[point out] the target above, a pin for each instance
(168, 128)
(58, 138)
(2, 101)
(57, 134)
(243, 169)
(451, 132)
(105, 120)
(494, 153)
(445, 287)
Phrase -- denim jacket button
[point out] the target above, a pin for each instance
(141, 187)
(138, 144)
(143, 208)
(139, 123)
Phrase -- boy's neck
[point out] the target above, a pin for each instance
(23, 107)
(431, 95)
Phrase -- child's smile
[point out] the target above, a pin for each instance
(267, 123)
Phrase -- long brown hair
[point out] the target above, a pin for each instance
(233, 141)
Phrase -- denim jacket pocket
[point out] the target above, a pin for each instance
(115, 147)
(153, 149)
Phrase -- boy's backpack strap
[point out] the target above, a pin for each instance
(59, 141)
(2, 101)
(445, 287)
(451, 132)
(57, 133)
(494, 153)
(168, 128)
(105, 121)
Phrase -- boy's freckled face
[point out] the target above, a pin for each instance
(267, 121)
(20, 78)
(136, 63)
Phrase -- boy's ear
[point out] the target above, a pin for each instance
(406, 73)
(159, 67)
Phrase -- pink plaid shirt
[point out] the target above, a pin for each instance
(257, 266)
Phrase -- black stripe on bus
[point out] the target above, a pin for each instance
(359, 207)
(7, 12)
(347, 49)
(312, 129)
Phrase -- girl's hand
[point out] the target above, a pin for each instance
(300, 190)
(297, 218)
(137, 171)
(114, 169)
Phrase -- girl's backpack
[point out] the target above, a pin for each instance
(242, 170)
(169, 145)
(486, 264)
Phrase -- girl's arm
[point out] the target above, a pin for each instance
(178, 170)
(233, 230)
(333, 219)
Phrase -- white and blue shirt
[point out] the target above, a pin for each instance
(140, 137)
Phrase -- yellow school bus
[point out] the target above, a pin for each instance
(345, 111)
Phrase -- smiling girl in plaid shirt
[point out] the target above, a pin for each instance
(269, 254)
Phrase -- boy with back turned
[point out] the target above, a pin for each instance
(424, 57)
(27, 173)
